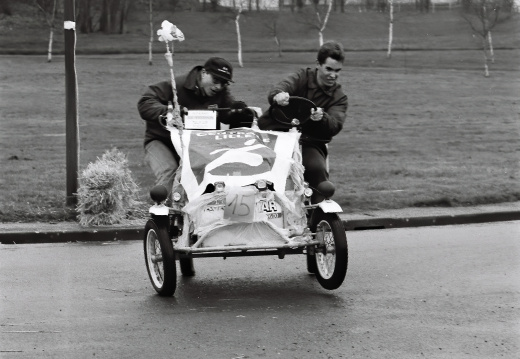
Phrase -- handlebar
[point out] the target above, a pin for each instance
(253, 113)
(232, 110)
(295, 114)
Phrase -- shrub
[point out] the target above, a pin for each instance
(107, 193)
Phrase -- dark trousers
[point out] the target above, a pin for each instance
(314, 160)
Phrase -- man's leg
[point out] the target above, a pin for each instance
(162, 162)
(314, 161)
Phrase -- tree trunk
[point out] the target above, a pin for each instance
(83, 19)
(279, 44)
(104, 21)
(150, 42)
(49, 51)
(51, 32)
(390, 29)
(125, 6)
(114, 15)
(490, 44)
(324, 24)
(237, 19)
(486, 59)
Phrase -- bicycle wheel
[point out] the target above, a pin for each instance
(332, 254)
(159, 257)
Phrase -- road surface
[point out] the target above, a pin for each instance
(433, 292)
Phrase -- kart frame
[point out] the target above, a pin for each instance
(169, 238)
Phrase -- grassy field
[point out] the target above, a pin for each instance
(424, 128)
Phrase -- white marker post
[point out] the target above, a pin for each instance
(169, 33)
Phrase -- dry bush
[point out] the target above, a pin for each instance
(107, 194)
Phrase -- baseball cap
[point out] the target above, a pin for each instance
(219, 68)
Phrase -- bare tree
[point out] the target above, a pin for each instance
(390, 28)
(273, 29)
(84, 19)
(482, 16)
(315, 18)
(150, 42)
(323, 23)
(387, 9)
(238, 12)
(48, 8)
(124, 8)
(104, 21)
(114, 15)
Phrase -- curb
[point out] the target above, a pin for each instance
(389, 222)
(74, 235)
(136, 232)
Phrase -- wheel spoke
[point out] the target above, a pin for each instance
(155, 258)
(326, 260)
(160, 257)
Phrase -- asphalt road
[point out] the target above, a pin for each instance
(433, 292)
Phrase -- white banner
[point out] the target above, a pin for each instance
(238, 157)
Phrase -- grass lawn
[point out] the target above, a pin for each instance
(424, 128)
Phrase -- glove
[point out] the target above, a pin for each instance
(238, 105)
(240, 115)
(281, 98)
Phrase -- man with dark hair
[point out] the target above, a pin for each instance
(319, 85)
(203, 87)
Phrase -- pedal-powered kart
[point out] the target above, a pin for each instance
(241, 192)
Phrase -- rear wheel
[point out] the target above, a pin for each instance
(332, 254)
(159, 256)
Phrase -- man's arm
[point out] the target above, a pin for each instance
(331, 123)
(154, 101)
(294, 84)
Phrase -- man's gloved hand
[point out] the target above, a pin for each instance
(241, 115)
(281, 98)
(238, 105)
(316, 115)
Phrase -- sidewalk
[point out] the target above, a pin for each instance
(62, 232)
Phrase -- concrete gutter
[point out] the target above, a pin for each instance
(63, 232)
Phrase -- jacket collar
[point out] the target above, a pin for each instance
(312, 82)
(192, 80)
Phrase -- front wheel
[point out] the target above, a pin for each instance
(332, 255)
(159, 256)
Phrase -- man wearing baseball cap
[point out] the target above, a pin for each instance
(202, 88)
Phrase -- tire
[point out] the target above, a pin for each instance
(311, 263)
(331, 257)
(159, 257)
(187, 268)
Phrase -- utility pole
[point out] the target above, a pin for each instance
(71, 99)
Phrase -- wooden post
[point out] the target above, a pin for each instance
(71, 98)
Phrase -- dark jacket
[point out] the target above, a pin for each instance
(334, 102)
(154, 102)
